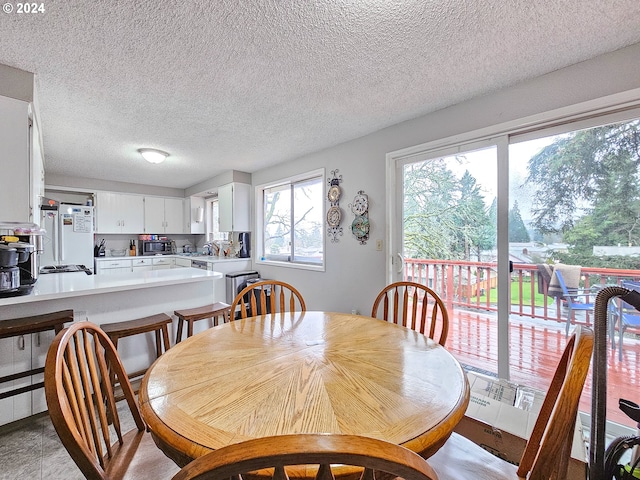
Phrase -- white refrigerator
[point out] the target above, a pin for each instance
(69, 235)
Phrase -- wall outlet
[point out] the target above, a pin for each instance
(379, 245)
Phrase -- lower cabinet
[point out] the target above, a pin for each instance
(112, 267)
(182, 262)
(142, 264)
(163, 263)
(135, 264)
(19, 354)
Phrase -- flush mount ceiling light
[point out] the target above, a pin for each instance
(152, 155)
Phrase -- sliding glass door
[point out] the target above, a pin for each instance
(505, 229)
(448, 240)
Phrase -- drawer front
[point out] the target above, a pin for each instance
(163, 261)
(114, 264)
(142, 262)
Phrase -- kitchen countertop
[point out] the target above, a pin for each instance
(62, 285)
(206, 258)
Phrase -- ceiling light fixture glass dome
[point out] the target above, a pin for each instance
(153, 155)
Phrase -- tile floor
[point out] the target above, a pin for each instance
(31, 448)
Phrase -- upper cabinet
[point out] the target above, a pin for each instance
(119, 213)
(21, 184)
(234, 207)
(163, 215)
(194, 212)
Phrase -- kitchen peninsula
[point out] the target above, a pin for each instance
(99, 299)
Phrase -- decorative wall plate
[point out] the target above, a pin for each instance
(334, 215)
(334, 194)
(360, 227)
(360, 204)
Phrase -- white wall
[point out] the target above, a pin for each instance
(355, 273)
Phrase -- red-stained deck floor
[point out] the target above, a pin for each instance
(535, 349)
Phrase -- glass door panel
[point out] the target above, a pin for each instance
(574, 208)
(449, 243)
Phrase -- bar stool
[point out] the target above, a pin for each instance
(155, 323)
(218, 310)
(26, 326)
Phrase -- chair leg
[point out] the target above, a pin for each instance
(179, 332)
(189, 328)
(620, 341)
(158, 343)
(165, 337)
(569, 316)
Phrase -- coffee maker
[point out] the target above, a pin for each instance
(18, 265)
(244, 245)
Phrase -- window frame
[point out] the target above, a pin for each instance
(260, 216)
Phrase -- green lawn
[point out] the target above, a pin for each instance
(515, 295)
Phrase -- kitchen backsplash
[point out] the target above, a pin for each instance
(121, 242)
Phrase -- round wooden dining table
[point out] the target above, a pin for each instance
(302, 372)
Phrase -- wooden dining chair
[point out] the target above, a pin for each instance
(546, 455)
(83, 410)
(267, 296)
(414, 306)
(331, 453)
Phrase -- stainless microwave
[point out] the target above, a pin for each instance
(155, 247)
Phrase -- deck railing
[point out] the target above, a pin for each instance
(473, 285)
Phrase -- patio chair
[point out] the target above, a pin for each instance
(414, 306)
(546, 455)
(82, 408)
(571, 297)
(625, 316)
(332, 453)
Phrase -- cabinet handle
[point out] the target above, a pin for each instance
(37, 339)
(21, 342)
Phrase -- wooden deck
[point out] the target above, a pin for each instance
(535, 349)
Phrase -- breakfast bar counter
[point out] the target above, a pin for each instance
(74, 284)
(100, 299)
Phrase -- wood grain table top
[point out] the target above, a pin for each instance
(303, 372)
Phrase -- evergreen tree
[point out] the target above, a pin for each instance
(517, 230)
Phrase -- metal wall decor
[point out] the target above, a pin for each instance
(334, 214)
(360, 225)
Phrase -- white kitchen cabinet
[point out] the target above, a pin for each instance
(16, 183)
(161, 263)
(163, 215)
(142, 264)
(119, 213)
(112, 267)
(37, 165)
(20, 354)
(40, 343)
(15, 357)
(234, 207)
(193, 222)
(181, 262)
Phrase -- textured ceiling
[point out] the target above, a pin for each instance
(244, 84)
